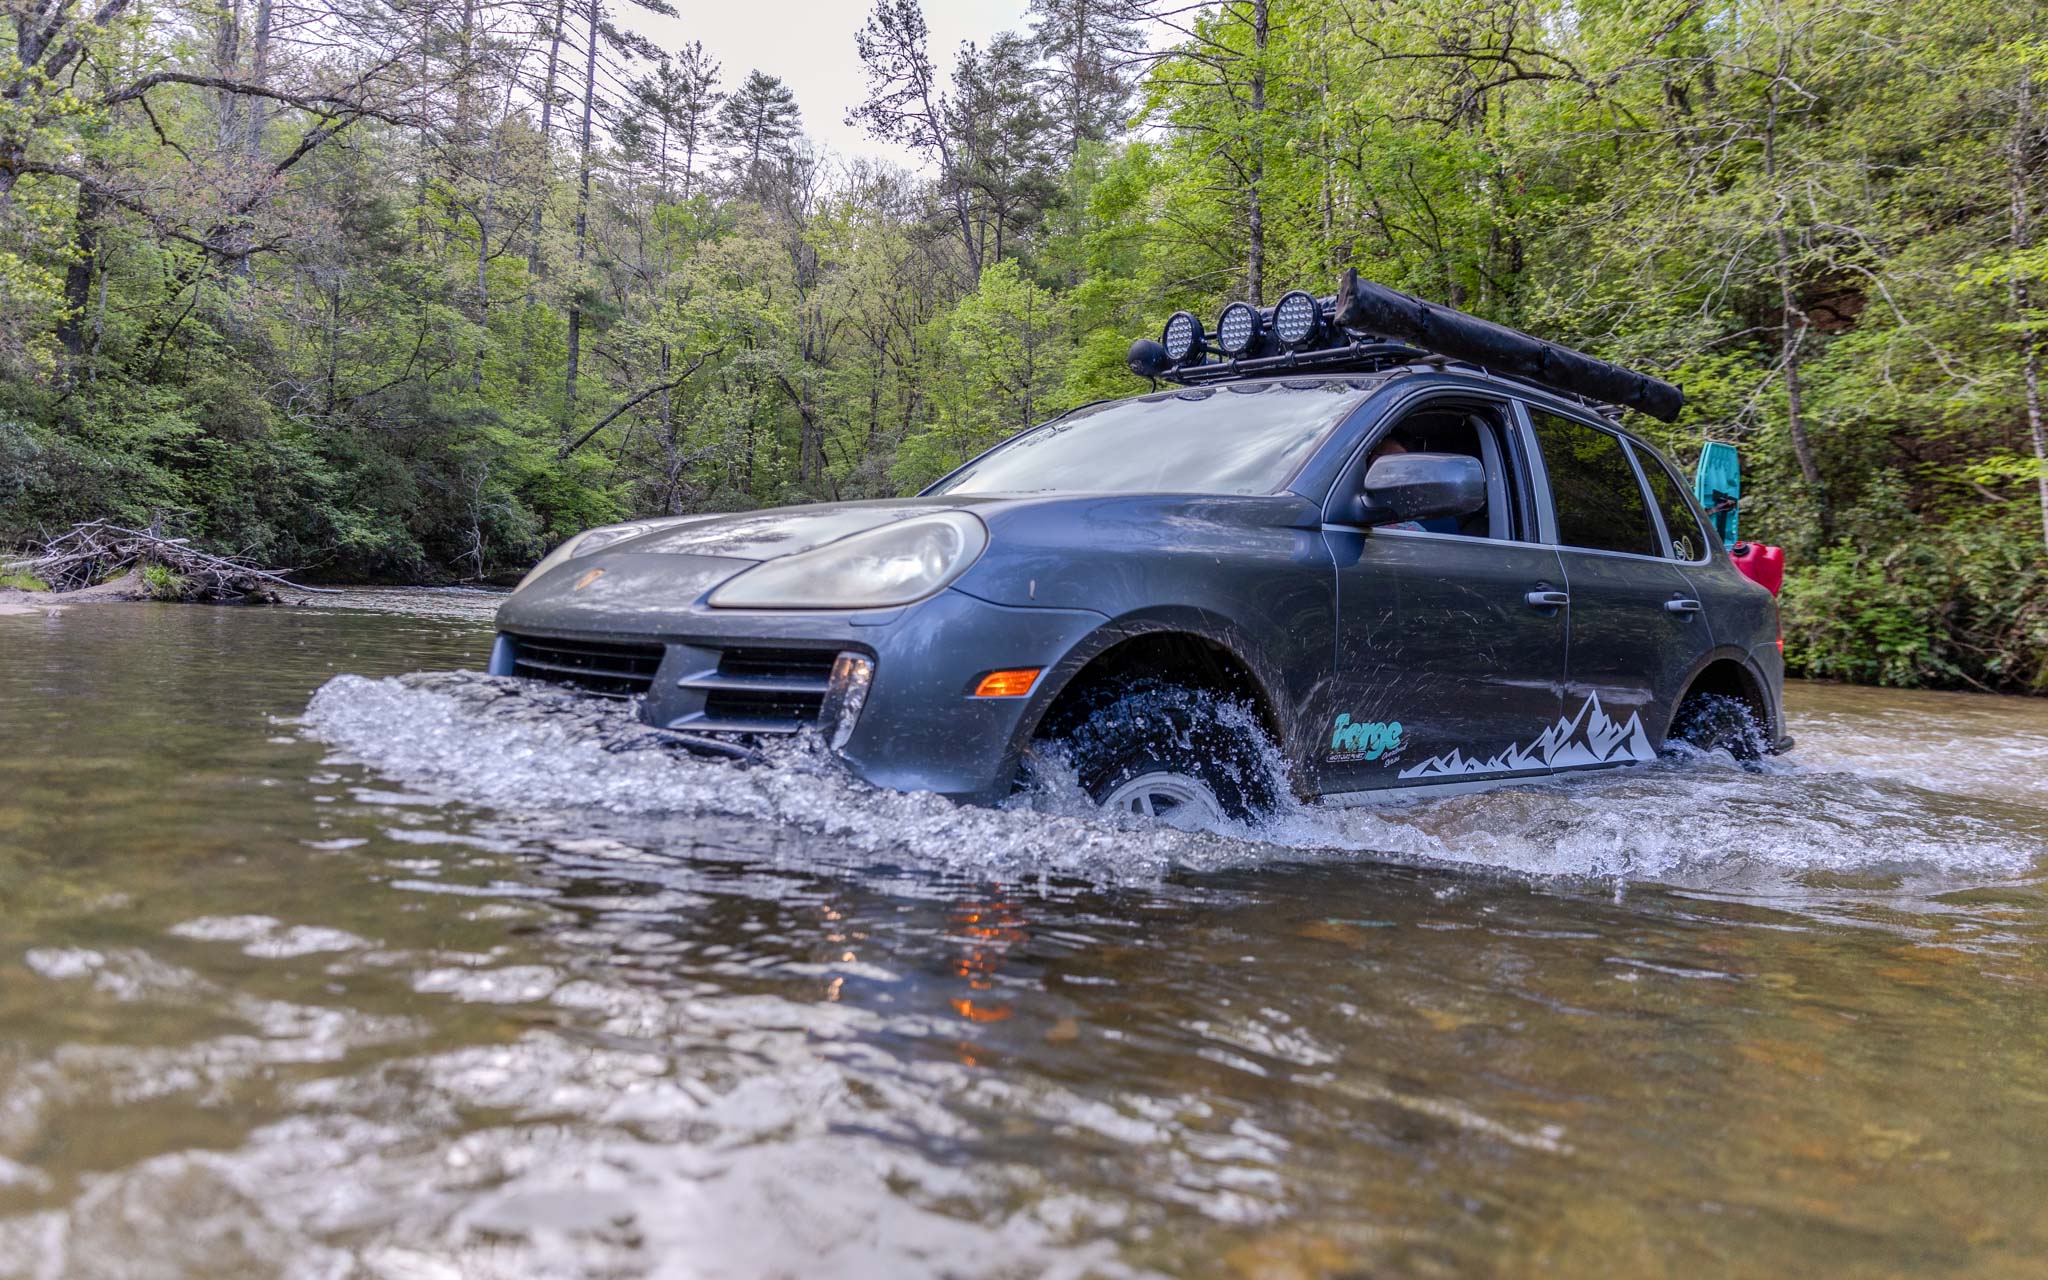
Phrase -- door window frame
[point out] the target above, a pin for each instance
(1509, 473)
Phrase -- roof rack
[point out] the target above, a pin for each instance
(1367, 327)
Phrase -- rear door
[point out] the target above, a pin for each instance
(1448, 658)
(1637, 629)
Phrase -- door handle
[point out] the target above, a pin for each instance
(1547, 599)
(1681, 606)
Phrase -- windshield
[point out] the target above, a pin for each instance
(1240, 438)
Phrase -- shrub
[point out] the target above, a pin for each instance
(1969, 611)
(163, 584)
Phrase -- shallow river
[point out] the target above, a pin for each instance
(412, 980)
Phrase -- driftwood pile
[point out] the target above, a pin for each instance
(97, 552)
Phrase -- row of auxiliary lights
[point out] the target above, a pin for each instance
(1297, 322)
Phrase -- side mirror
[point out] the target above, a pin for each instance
(1421, 486)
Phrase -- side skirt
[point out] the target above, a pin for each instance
(1460, 787)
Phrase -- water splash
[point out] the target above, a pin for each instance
(1700, 819)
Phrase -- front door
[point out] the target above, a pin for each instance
(1637, 628)
(1450, 645)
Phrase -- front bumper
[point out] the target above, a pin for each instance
(731, 672)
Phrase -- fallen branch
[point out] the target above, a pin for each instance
(91, 553)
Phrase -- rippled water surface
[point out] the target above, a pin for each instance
(424, 978)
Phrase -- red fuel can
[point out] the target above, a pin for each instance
(1762, 565)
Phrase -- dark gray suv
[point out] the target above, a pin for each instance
(1418, 576)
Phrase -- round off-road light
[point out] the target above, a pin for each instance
(1236, 329)
(1297, 317)
(1182, 337)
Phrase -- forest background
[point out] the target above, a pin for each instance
(404, 290)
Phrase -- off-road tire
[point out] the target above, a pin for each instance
(1155, 726)
(1718, 722)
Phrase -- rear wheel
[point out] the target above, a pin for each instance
(1718, 722)
(1182, 756)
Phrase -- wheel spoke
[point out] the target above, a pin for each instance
(1172, 798)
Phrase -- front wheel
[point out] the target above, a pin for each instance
(1162, 751)
(1164, 795)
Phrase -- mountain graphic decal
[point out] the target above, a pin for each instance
(1590, 737)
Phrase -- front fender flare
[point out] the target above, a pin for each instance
(1201, 624)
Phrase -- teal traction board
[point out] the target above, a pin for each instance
(1719, 479)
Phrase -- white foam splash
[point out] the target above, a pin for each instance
(1701, 821)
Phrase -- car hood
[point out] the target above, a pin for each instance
(782, 531)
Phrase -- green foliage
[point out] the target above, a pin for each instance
(1747, 198)
(1971, 610)
(1000, 363)
(163, 583)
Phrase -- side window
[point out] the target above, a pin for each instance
(1472, 430)
(1599, 502)
(1688, 540)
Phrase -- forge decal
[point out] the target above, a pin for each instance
(1364, 740)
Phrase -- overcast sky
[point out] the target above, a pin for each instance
(809, 43)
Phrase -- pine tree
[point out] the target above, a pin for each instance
(757, 124)
(1088, 46)
(1003, 138)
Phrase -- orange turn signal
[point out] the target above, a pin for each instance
(1007, 684)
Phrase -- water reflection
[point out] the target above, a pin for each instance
(264, 1011)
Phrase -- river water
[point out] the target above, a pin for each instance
(419, 979)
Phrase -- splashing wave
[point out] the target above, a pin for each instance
(512, 746)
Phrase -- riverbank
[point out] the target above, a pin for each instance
(129, 586)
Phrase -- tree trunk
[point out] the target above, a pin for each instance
(252, 131)
(259, 73)
(547, 117)
(470, 132)
(2032, 365)
(227, 57)
(85, 253)
(1255, 213)
(333, 347)
(2018, 171)
(582, 207)
(1792, 322)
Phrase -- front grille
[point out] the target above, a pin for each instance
(763, 690)
(594, 666)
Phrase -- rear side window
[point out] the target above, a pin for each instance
(1599, 502)
(1688, 540)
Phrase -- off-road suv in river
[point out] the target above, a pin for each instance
(1409, 548)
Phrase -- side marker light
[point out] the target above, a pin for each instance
(1007, 684)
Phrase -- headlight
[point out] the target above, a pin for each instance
(592, 540)
(896, 564)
